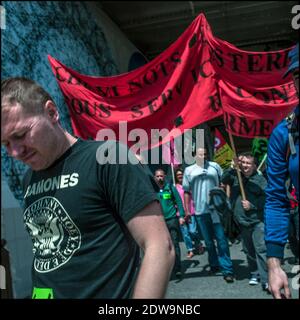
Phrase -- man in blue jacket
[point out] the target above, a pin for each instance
(283, 164)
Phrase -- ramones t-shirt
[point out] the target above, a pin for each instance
(76, 213)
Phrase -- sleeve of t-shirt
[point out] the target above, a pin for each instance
(128, 187)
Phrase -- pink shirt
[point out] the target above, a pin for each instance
(181, 193)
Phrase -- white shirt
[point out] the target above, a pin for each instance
(199, 181)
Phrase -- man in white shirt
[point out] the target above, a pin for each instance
(198, 180)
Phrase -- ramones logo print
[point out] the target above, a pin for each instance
(54, 235)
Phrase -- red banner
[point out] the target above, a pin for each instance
(198, 78)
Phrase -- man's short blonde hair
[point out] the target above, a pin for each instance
(25, 92)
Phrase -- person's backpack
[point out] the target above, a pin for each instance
(220, 202)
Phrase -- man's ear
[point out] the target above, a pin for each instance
(51, 111)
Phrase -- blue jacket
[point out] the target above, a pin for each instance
(277, 209)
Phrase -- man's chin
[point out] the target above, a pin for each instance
(37, 166)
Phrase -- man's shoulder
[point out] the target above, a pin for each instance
(86, 145)
(92, 143)
(279, 138)
(259, 178)
(280, 129)
(85, 151)
(190, 168)
(110, 151)
(214, 164)
(168, 186)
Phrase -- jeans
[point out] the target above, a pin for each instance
(255, 249)
(186, 236)
(195, 231)
(210, 231)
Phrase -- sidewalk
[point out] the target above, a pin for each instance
(197, 283)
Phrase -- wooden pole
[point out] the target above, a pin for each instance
(262, 161)
(237, 169)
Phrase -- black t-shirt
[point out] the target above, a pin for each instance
(76, 213)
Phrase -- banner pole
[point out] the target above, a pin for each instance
(173, 175)
(262, 161)
(237, 169)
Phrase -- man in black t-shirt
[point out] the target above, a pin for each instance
(87, 219)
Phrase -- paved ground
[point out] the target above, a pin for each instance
(198, 283)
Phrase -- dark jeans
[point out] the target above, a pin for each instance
(255, 250)
(211, 231)
(186, 237)
(174, 229)
(195, 231)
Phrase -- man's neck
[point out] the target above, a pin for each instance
(201, 163)
(66, 141)
(249, 175)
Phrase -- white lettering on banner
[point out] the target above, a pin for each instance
(55, 183)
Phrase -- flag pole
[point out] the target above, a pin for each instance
(172, 158)
(173, 175)
(237, 169)
(262, 162)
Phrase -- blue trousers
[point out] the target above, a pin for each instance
(211, 231)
